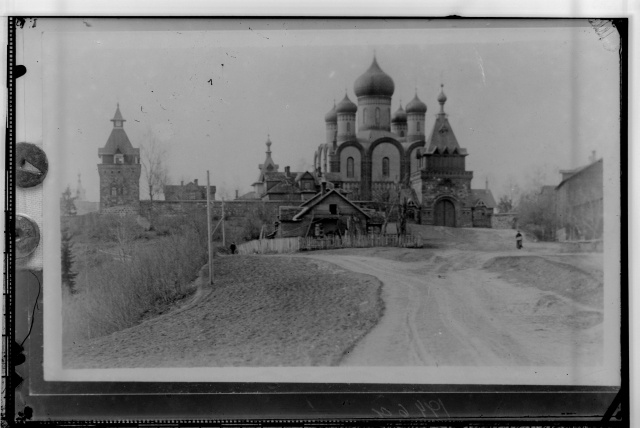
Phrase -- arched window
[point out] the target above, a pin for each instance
(350, 167)
(348, 127)
(114, 191)
(418, 126)
(377, 116)
(402, 133)
(385, 167)
(364, 115)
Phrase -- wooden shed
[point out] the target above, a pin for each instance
(326, 214)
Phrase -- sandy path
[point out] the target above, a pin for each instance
(447, 310)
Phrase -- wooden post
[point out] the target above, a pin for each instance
(224, 244)
(209, 237)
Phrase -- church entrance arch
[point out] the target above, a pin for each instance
(445, 213)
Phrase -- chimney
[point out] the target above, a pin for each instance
(181, 182)
(236, 193)
(195, 181)
(323, 187)
(486, 183)
(592, 158)
(287, 171)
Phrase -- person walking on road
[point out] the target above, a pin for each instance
(518, 240)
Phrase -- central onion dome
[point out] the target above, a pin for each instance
(416, 106)
(399, 116)
(374, 82)
(332, 115)
(346, 106)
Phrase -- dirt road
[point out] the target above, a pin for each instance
(449, 309)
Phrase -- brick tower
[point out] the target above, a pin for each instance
(119, 171)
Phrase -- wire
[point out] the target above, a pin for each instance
(35, 306)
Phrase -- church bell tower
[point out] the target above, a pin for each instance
(119, 171)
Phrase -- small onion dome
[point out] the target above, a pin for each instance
(442, 98)
(331, 116)
(399, 116)
(346, 106)
(374, 81)
(416, 106)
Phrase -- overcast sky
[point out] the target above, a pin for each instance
(523, 100)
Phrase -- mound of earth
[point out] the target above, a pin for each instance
(547, 275)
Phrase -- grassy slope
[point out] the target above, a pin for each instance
(262, 311)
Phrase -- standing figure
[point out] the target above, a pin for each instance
(519, 240)
(233, 248)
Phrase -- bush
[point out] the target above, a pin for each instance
(117, 294)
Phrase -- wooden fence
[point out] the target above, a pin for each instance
(292, 245)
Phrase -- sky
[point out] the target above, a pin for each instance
(526, 98)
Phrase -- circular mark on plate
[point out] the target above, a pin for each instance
(27, 236)
(31, 165)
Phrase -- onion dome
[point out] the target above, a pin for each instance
(399, 116)
(331, 116)
(346, 106)
(373, 82)
(416, 106)
(442, 98)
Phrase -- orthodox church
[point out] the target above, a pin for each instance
(367, 150)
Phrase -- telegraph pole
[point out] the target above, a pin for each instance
(209, 237)
(223, 240)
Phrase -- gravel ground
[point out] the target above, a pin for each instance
(262, 311)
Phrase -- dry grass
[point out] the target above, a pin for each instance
(114, 294)
(261, 311)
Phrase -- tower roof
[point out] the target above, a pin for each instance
(399, 116)
(268, 165)
(442, 98)
(442, 137)
(346, 106)
(416, 106)
(118, 116)
(331, 115)
(373, 82)
(118, 141)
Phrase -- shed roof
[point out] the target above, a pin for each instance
(311, 203)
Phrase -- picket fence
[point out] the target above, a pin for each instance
(293, 245)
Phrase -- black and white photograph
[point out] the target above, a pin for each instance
(313, 200)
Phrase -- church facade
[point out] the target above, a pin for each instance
(367, 150)
(119, 171)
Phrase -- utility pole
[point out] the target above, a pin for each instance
(209, 237)
(223, 240)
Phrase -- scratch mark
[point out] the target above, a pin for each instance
(87, 24)
(479, 58)
(260, 34)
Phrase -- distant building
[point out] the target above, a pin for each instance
(82, 205)
(188, 192)
(579, 203)
(273, 185)
(119, 171)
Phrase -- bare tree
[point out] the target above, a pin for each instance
(156, 174)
